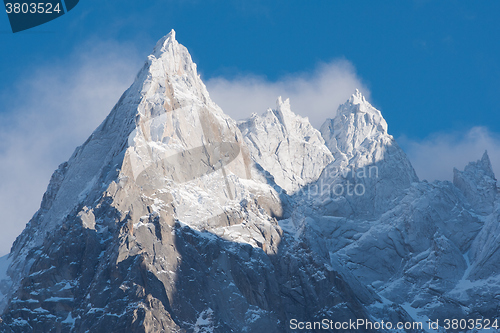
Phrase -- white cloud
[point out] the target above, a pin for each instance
(46, 115)
(315, 95)
(435, 157)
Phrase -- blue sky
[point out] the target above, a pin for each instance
(431, 67)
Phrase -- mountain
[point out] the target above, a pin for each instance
(370, 170)
(172, 217)
(287, 146)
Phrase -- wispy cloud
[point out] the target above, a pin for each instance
(46, 115)
(316, 95)
(435, 157)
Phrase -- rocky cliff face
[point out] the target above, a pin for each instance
(172, 217)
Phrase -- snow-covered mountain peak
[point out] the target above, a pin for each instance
(355, 128)
(286, 117)
(174, 56)
(478, 184)
(357, 98)
(359, 112)
(483, 165)
(286, 145)
(358, 139)
(163, 127)
(170, 79)
(163, 44)
(176, 118)
(284, 106)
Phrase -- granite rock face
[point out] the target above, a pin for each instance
(172, 217)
